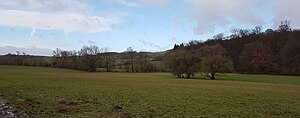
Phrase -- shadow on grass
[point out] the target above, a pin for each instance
(202, 77)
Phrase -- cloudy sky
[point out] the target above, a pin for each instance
(39, 26)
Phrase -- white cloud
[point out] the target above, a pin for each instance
(128, 3)
(90, 42)
(287, 10)
(56, 5)
(32, 50)
(66, 21)
(154, 2)
(150, 44)
(211, 14)
(65, 15)
(138, 3)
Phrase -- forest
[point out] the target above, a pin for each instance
(273, 51)
(244, 51)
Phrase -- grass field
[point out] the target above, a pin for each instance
(49, 92)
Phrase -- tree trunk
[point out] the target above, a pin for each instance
(298, 67)
(132, 67)
(188, 76)
(212, 74)
(212, 77)
(298, 62)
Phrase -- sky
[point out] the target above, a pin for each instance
(38, 27)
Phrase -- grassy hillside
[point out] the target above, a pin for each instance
(49, 92)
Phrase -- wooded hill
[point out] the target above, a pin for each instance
(250, 50)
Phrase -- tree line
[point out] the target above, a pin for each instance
(25, 60)
(244, 51)
(90, 58)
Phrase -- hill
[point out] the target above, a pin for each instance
(254, 51)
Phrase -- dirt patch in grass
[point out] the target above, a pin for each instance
(30, 102)
(152, 110)
(89, 101)
(102, 114)
(72, 103)
(125, 115)
(117, 107)
(66, 106)
(63, 101)
(63, 110)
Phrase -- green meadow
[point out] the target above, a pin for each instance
(51, 92)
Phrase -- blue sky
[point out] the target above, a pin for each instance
(39, 26)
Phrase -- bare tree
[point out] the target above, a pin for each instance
(290, 55)
(108, 59)
(219, 36)
(57, 61)
(130, 55)
(255, 57)
(89, 58)
(260, 58)
(257, 30)
(174, 61)
(73, 59)
(182, 62)
(214, 60)
(285, 26)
